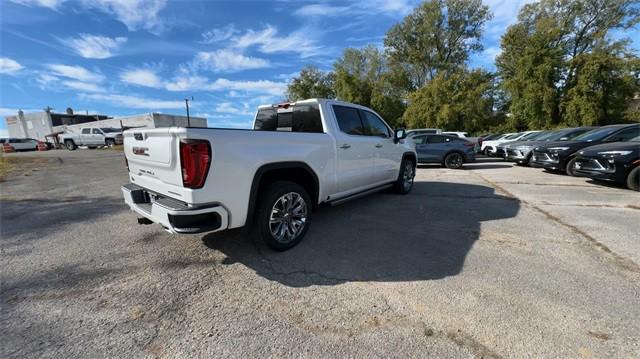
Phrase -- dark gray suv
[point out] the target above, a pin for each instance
(450, 151)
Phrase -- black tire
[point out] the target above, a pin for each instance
(454, 160)
(486, 151)
(110, 142)
(272, 198)
(569, 170)
(633, 179)
(70, 145)
(404, 183)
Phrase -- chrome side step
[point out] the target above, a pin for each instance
(359, 194)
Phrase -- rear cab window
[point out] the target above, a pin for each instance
(295, 118)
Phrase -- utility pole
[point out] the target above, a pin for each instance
(186, 102)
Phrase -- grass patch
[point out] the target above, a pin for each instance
(16, 166)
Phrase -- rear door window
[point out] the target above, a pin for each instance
(86, 131)
(297, 118)
(349, 120)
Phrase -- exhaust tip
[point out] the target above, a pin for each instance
(143, 220)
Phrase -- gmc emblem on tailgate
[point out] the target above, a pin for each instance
(138, 136)
(142, 151)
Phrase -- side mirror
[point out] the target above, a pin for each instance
(399, 134)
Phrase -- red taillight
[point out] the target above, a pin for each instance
(195, 157)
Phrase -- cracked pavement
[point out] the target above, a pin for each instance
(490, 261)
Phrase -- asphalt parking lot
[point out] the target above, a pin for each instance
(489, 261)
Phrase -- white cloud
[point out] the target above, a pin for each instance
(77, 73)
(268, 42)
(82, 86)
(225, 60)
(135, 14)
(260, 86)
(52, 4)
(217, 35)
(9, 66)
(393, 8)
(322, 10)
(141, 77)
(4, 111)
(228, 107)
(136, 102)
(200, 83)
(95, 46)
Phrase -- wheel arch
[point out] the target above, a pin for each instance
(293, 171)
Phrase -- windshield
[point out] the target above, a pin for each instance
(513, 136)
(532, 136)
(597, 134)
(110, 130)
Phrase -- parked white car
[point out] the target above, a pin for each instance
(490, 148)
(20, 144)
(92, 137)
(298, 156)
(457, 134)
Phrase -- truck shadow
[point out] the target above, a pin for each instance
(425, 235)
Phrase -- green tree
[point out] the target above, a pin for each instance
(552, 62)
(462, 100)
(603, 87)
(311, 83)
(438, 36)
(362, 77)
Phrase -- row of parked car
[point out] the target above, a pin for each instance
(608, 153)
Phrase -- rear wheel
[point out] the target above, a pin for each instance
(569, 169)
(454, 160)
(283, 215)
(404, 183)
(70, 145)
(633, 179)
(110, 142)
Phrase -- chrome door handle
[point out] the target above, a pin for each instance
(379, 145)
(345, 146)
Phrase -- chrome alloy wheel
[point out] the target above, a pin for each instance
(288, 217)
(408, 175)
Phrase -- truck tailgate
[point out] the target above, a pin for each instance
(153, 159)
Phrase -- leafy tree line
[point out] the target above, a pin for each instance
(560, 65)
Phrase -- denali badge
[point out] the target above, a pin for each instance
(142, 151)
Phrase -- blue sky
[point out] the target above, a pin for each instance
(121, 57)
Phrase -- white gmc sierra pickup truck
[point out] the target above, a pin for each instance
(298, 156)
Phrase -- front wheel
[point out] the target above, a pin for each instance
(70, 145)
(569, 169)
(633, 179)
(454, 161)
(283, 215)
(404, 183)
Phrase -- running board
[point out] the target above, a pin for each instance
(360, 194)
